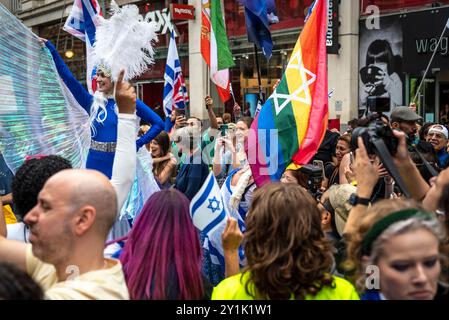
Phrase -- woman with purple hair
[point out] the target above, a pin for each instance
(162, 256)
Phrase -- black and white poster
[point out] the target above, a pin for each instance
(380, 62)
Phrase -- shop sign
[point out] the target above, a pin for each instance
(421, 31)
(332, 27)
(162, 19)
(182, 12)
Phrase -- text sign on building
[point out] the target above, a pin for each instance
(182, 12)
(332, 27)
(162, 19)
(421, 32)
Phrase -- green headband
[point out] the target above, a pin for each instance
(380, 226)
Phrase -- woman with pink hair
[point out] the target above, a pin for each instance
(162, 256)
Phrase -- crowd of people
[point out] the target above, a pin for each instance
(353, 236)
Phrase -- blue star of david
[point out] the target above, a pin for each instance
(214, 204)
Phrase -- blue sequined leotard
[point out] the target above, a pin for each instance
(105, 131)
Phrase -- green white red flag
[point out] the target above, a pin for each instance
(213, 36)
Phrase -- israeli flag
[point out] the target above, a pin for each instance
(209, 215)
(175, 90)
(206, 208)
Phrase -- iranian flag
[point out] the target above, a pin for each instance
(213, 36)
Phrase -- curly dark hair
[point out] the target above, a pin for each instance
(286, 249)
(18, 285)
(29, 180)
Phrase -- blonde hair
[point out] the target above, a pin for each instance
(374, 214)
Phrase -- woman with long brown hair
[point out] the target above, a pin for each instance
(164, 163)
(287, 253)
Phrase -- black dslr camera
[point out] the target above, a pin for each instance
(379, 139)
(376, 130)
(315, 177)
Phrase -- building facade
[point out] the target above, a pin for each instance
(408, 30)
(401, 41)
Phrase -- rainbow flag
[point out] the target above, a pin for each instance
(291, 124)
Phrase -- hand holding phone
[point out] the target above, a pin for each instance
(209, 102)
(180, 121)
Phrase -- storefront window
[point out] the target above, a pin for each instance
(425, 100)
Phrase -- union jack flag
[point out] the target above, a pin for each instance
(82, 23)
(175, 90)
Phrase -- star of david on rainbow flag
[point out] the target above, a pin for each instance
(291, 125)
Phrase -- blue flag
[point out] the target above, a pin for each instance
(258, 24)
(272, 13)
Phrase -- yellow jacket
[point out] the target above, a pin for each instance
(233, 288)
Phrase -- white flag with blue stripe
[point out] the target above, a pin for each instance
(175, 90)
(209, 215)
(82, 23)
(206, 208)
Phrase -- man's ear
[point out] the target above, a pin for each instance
(395, 125)
(84, 220)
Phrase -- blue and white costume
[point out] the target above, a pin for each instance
(104, 122)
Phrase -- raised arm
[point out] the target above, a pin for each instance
(12, 252)
(415, 183)
(210, 112)
(231, 239)
(81, 95)
(168, 124)
(125, 160)
(3, 232)
(151, 117)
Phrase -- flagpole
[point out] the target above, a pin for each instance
(207, 81)
(430, 62)
(258, 73)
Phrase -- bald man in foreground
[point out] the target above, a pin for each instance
(71, 221)
(68, 229)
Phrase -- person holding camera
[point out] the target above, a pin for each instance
(208, 137)
(405, 119)
(434, 197)
(379, 77)
(225, 154)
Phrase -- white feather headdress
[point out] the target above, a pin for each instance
(125, 41)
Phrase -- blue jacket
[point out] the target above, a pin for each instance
(443, 157)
